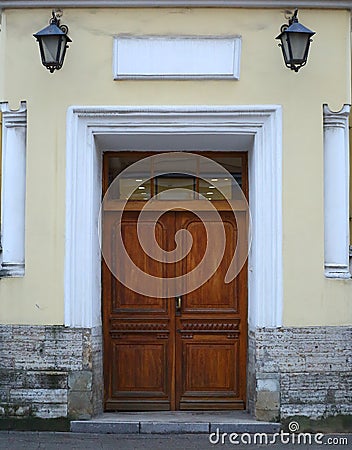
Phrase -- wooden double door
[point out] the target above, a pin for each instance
(183, 352)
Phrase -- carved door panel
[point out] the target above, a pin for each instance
(162, 354)
(211, 326)
(138, 330)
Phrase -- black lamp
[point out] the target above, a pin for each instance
(295, 41)
(53, 42)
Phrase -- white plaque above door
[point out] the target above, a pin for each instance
(176, 57)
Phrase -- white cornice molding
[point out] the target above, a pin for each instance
(319, 4)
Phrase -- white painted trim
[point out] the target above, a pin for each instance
(319, 4)
(176, 57)
(336, 192)
(83, 194)
(13, 190)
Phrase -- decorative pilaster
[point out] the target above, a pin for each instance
(336, 192)
(13, 189)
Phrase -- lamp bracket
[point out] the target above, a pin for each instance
(55, 19)
(288, 13)
(294, 18)
(291, 19)
(64, 28)
(56, 15)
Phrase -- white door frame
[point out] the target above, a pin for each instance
(90, 131)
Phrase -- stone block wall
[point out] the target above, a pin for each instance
(54, 371)
(300, 372)
(50, 371)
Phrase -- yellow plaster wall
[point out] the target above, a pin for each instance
(86, 79)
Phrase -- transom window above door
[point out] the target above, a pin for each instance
(198, 182)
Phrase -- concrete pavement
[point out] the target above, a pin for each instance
(17, 440)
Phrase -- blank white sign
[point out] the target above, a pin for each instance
(176, 57)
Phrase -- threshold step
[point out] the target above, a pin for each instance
(175, 422)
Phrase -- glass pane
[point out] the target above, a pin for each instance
(298, 46)
(233, 165)
(285, 48)
(217, 184)
(135, 185)
(175, 187)
(176, 163)
(213, 182)
(50, 44)
(216, 188)
(62, 49)
(133, 189)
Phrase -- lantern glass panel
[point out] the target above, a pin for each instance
(50, 48)
(63, 47)
(299, 42)
(285, 47)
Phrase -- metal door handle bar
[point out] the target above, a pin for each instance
(178, 304)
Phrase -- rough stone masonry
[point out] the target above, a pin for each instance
(50, 371)
(300, 372)
(55, 371)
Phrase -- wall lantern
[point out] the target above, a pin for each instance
(53, 42)
(295, 41)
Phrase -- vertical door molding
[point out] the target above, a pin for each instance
(336, 192)
(82, 250)
(13, 190)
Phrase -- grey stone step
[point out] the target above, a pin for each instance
(177, 422)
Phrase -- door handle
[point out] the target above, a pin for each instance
(178, 304)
